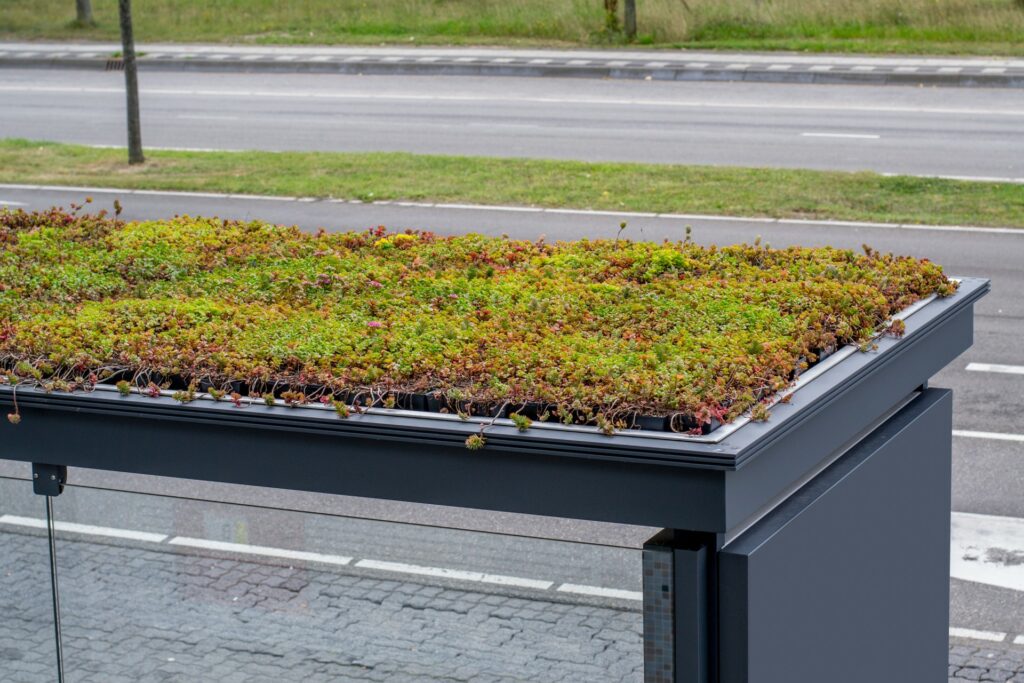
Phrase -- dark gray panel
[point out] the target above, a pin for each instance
(848, 580)
(329, 462)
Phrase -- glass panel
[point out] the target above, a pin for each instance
(27, 646)
(163, 587)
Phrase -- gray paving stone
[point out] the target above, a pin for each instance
(134, 614)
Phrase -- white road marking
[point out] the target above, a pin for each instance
(524, 209)
(858, 136)
(863, 68)
(906, 69)
(573, 101)
(456, 574)
(994, 436)
(988, 549)
(995, 367)
(578, 62)
(1019, 640)
(991, 636)
(246, 549)
(88, 529)
(950, 69)
(205, 117)
(780, 67)
(968, 178)
(821, 67)
(994, 70)
(7, 202)
(600, 592)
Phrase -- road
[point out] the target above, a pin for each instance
(988, 472)
(970, 132)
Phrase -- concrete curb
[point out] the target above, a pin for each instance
(783, 72)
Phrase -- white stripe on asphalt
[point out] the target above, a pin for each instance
(994, 436)
(855, 136)
(1019, 640)
(524, 209)
(995, 367)
(987, 549)
(456, 574)
(246, 549)
(7, 202)
(88, 529)
(205, 117)
(991, 636)
(574, 101)
(600, 592)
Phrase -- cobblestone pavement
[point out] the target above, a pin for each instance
(133, 614)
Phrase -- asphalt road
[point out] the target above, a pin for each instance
(988, 473)
(973, 132)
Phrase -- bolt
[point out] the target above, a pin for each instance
(53, 477)
(35, 475)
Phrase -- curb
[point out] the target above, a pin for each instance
(782, 72)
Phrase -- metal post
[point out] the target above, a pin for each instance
(54, 589)
(48, 481)
(131, 82)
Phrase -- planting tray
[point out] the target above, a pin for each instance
(636, 476)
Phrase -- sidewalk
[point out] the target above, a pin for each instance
(653, 65)
(135, 614)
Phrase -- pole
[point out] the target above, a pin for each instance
(54, 590)
(630, 19)
(131, 82)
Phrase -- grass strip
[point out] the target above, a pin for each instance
(879, 26)
(776, 193)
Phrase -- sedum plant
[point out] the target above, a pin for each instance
(591, 331)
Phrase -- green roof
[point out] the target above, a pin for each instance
(595, 331)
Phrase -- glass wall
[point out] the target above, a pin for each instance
(172, 588)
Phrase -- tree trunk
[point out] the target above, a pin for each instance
(84, 12)
(629, 20)
(131, 83)
(611, 15)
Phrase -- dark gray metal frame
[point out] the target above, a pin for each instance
(713, 491)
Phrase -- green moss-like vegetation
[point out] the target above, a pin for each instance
(588, 331)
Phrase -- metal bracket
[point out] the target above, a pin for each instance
(49, 480)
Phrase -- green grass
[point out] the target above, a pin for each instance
(881, 26)
(609, 186)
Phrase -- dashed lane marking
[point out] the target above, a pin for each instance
(991, 636)
(996, 367)
(600, 592)
(246, 549)
(86, 529)
(456, 574)
(853, 136)
(993, 436)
